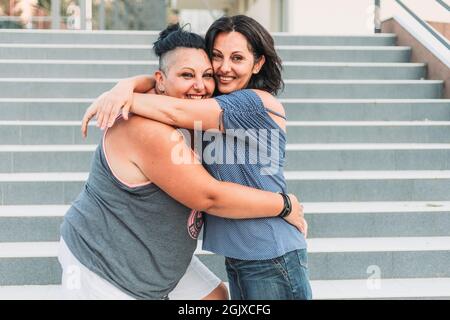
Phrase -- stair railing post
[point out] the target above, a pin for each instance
(101, 24)
(377, 20)
(83, 14)
(86, 14)
(56, 13)
(116, 15)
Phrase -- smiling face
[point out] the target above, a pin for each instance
(188, 75)
(233, 62)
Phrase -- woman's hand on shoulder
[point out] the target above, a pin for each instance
(107, 107)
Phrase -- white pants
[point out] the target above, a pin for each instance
(80, 283)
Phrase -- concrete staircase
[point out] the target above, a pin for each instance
(368, 154)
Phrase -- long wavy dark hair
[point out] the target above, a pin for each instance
(261, 44)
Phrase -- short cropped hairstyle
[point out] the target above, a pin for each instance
(174, 37)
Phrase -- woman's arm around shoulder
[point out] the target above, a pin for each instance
(164, 158)
(183, 113)
(107, 106)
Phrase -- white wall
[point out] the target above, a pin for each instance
(261, 10)
(352, 16)
(317, 16)
(331, 16)
(199, 20)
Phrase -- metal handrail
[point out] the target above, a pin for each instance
(424, 24)
(445, 5)
(377, 20)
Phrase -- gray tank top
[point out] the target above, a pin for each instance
(134, 237)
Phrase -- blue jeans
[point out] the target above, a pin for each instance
(282, 278)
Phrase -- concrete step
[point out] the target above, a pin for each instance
(31, 109)
(126, 52)
(345, 53)
(325, 220)
(42, 292)
(148, 37)
(34, 263)
(54, 87)
(363, 89)
(375, 156)
(311, 186)
(347, 186)
(359, 257)
(356, 258)
(299, 132)
(61, 109)
(410, 289)
(30, 264)
(145, 52)
(121, 69)
(41, 188)
(365, 109)
(47, 132)
(325, 89)
(368, 131)
(377, 219)
(46, 158)
(28, 68)
(363, 71)
(383, 39)
(31, 223)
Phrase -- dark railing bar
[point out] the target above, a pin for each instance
(377, 20)
(445, 5)
(425, 25)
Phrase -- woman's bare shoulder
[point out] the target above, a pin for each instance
(146, 130)
(270, 102)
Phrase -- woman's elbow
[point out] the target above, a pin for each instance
(174, 116)
(206, 202)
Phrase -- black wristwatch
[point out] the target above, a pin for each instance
(287, 206)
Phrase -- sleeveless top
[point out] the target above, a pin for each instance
(134, 237)
(251, 153)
